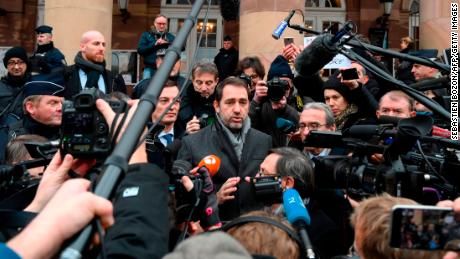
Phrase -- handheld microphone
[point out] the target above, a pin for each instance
(320, 52)
(282, 26)
(211, 163)
(297, 215)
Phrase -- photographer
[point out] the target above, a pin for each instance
(296, 171)
(253, 68)
(269, 110)
(151, 41)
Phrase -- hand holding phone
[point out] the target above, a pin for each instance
(425, 228)
(349, 74)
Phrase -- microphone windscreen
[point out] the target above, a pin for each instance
(295, 208)
(212, 163)
(181, 167)
(315, 56)
(362, 131)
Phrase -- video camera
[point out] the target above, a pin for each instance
(404, 173)
(277, 89)
(84, 131)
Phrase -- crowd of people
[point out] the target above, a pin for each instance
(256, 123)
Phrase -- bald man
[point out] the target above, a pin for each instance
(89, 68)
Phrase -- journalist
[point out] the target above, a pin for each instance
(269, 110)
(296, 171)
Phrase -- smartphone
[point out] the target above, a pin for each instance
(350, 74)
(288, 40)
(425, 228)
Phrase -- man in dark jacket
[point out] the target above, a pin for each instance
(89, 68)
(42, 109)
(151, 41)
(231, 138)
(227, 59)
(17, 65)
(197, 102)
(46, 57)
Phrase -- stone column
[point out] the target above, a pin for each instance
(71, 18)
(258, 19)
(435, 24)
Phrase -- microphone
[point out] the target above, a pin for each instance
(320, 52)
(432, 84)
(297, 215)
(286, 126)
(282, 26)
(368, 131)
(181, 168)
(211, 163)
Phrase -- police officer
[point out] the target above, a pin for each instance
(46, 57)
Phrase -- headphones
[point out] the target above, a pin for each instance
(248, 219)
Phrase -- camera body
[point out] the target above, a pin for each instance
(246, 79)
(267, 189)
(277, 89)
(84, 131)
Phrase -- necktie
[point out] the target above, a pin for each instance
(168, 137)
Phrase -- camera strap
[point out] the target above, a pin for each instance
(113, 133)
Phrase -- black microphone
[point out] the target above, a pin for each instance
(432, 84)
(320, 52)
(282, 26)
(368, 131)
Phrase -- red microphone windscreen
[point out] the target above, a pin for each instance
(212, 163)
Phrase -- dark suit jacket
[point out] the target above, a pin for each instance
(113, 82)
(212, 140)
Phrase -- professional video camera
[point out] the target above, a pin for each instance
(84, 131)
(402, 174)
(267, 189)
(15, 178)
(277, 89)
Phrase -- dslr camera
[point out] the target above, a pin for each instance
(277, 89)
(84, 131)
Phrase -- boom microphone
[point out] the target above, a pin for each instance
(320, 52)
(297, 215)
(282, 26)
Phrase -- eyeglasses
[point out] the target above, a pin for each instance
(13, 63)
(311, 126)
(254, 76)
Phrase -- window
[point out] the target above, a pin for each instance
(208, 39)
(187, 2)
(126, 63)
(414, 22)
(323, 3)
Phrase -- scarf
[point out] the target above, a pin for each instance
(236, 138)
(92, 70)
(342, 118)
(45, 47)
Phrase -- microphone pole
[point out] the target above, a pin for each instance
(117, 162)
(435, 107)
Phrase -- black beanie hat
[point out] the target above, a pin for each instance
(279, 68)
(335, 84)
(15, 52)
